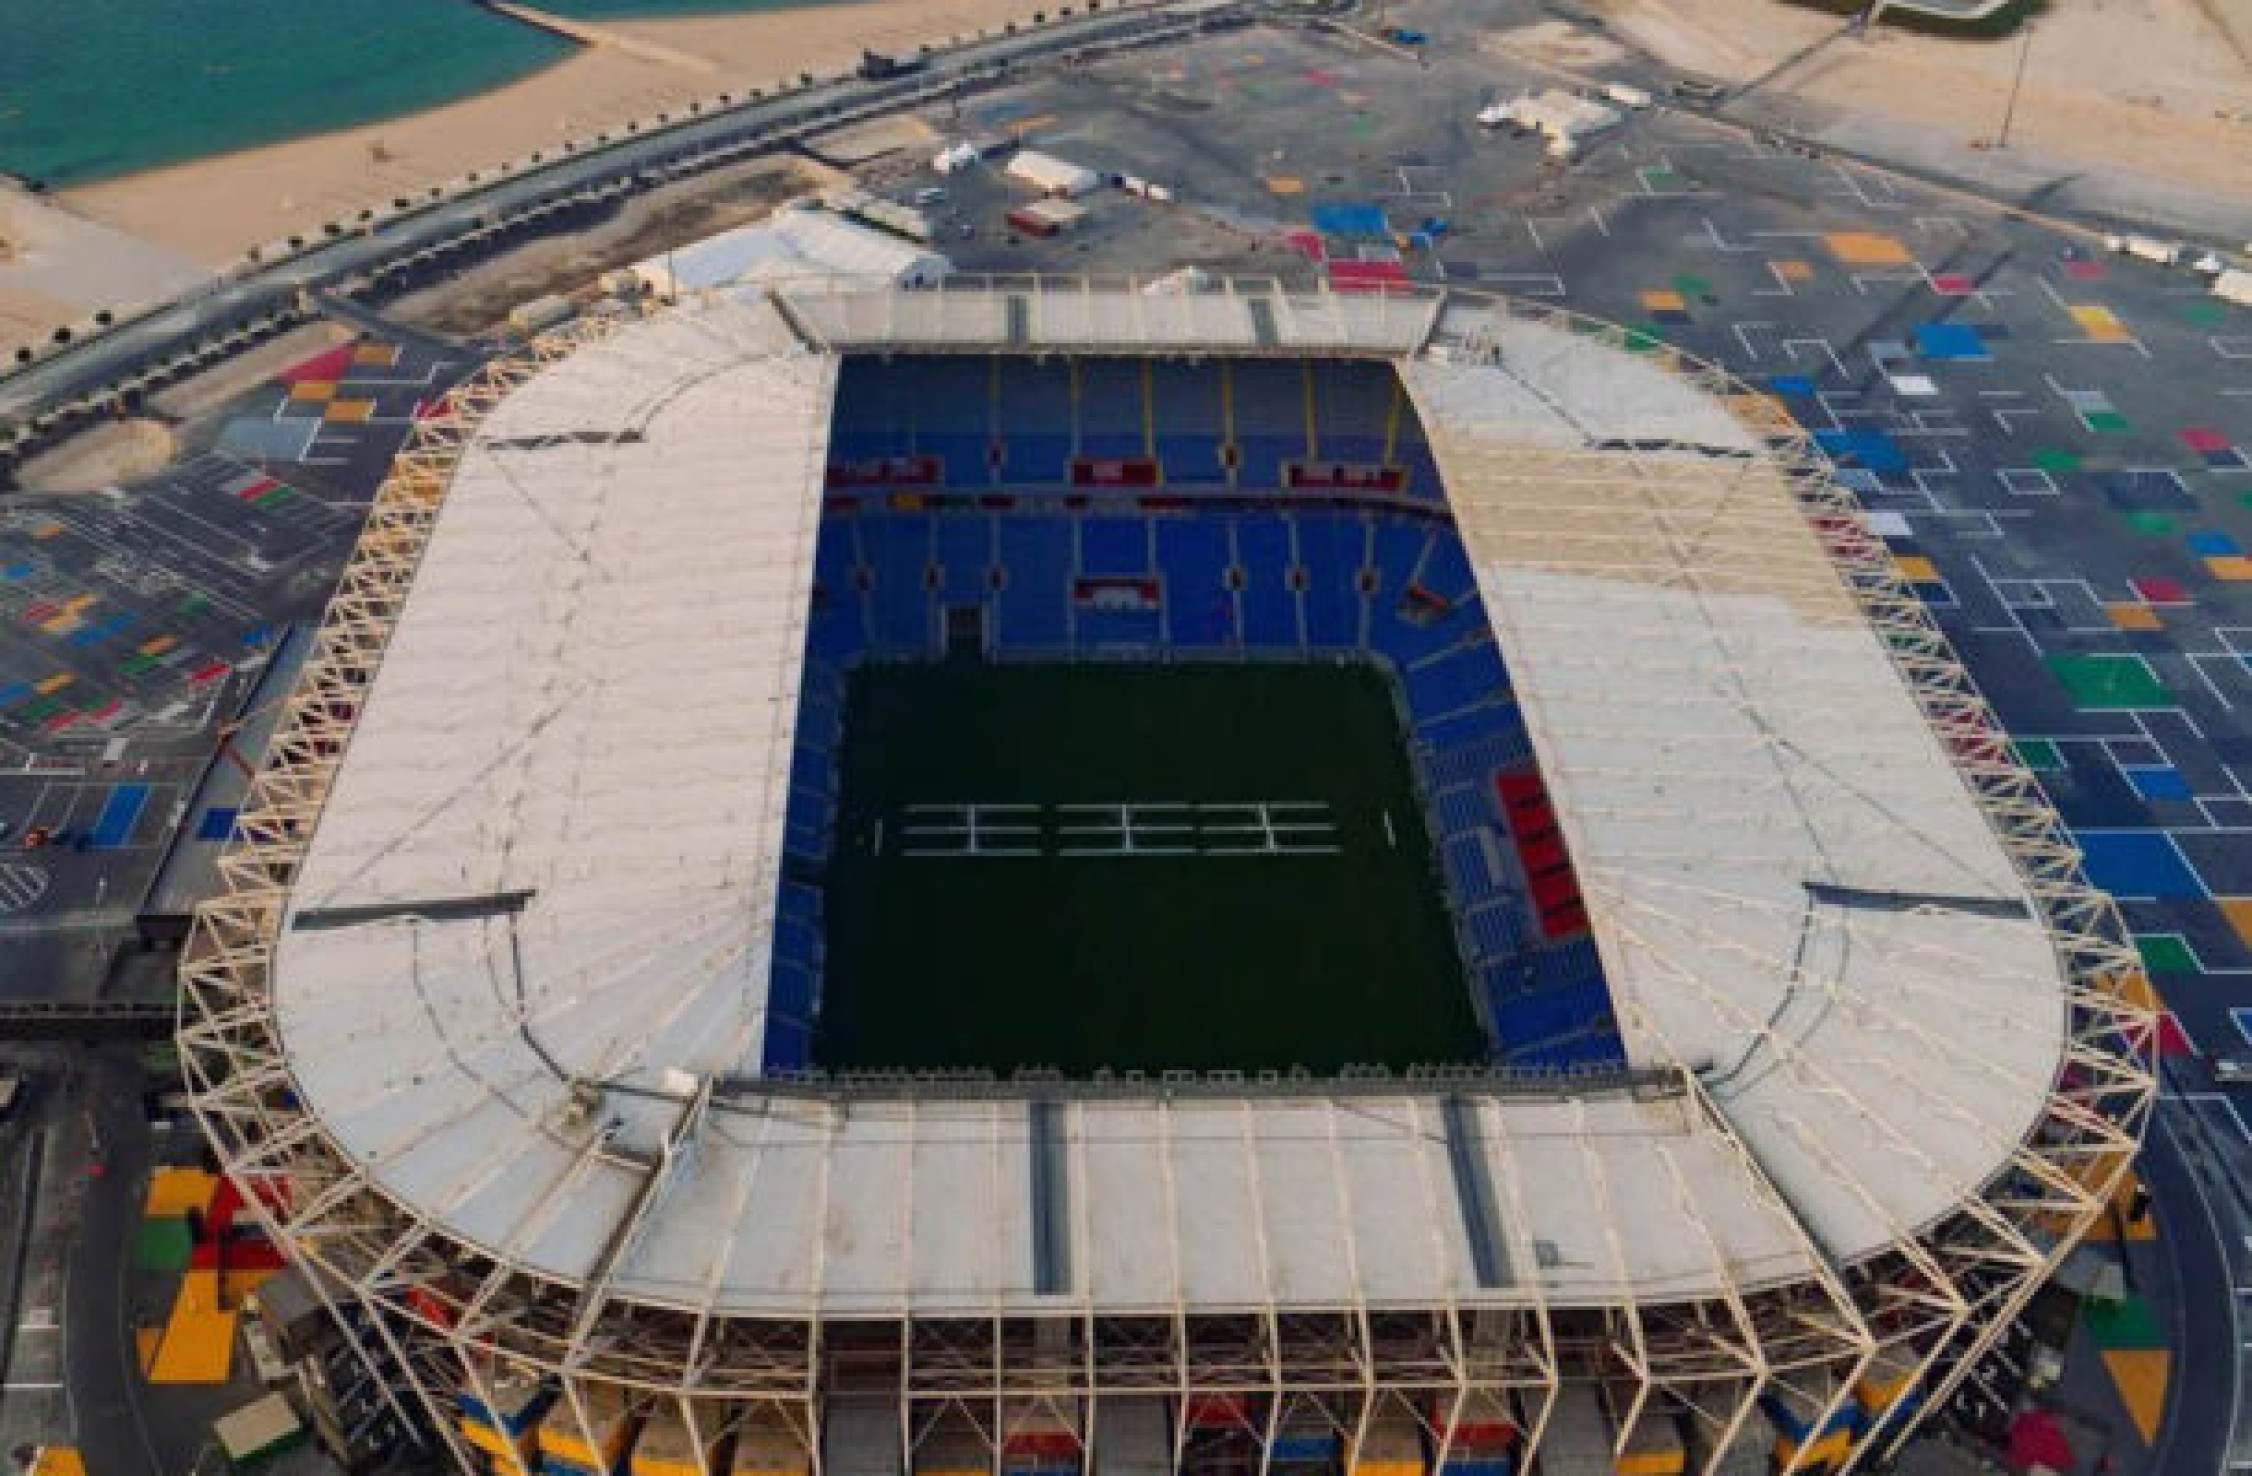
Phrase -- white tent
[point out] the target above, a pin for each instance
(1053, 176)
(794, 244)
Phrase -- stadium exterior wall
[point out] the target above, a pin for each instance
(461, 1322)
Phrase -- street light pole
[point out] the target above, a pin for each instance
(2009, 109)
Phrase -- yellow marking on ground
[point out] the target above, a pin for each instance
(145, 1343)
(1285, 184)
(2140, 1376)
(58, 1460)
(2235, 568)
(1663, 301)
(177, 1191)
(78, 602)
(51, 685)
(46, 530)
(313, 389)
(60, 624)
(2101, 325)
(376, 355)
(2238, 912)
(198, 1347)
(1868, 248)
(2129, 615)
(158, 645)
(1916, 569)
(1033, 124)
(349, 412)
(1793, 270)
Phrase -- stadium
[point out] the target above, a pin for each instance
(1051, 877)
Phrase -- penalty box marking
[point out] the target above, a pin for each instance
(1140, 828)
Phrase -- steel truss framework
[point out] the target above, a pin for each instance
(456, 1317)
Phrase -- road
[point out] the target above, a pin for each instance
(718, 139)
(2201, 1201)
(99, 1358)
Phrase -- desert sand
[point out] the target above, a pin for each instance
(214, 209)
(2152, 87)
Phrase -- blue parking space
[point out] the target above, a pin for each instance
(2137, 863)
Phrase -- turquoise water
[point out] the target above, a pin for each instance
(641, 9)
(94, 88)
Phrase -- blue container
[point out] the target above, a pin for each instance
(1498, 1463)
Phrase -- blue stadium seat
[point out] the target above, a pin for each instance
(1353, 403)
(1111, 408)
(837, 624)
(1446, 568)
(965, 555)
(1464, 860)
(1113, 630)
(1448, 681)
(1470, 745)
(899, 549)
(1270, 605)
(1113, 545)
(1331, 548)
(1463, 807)
(1035, 398)
(1269, 404)
(1185, 407)
(1192, 556)
(1034, 606)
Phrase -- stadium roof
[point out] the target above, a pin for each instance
(521, 976)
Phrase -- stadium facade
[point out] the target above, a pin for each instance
(486, 1022)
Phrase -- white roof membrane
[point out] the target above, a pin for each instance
(552, 851)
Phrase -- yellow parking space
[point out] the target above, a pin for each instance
(1285, 184)
(313, 389)
(2140, 1375)
(178, 1191)
(1916, 569)
(1868, 248)
(349, 412)
(1664, 302)
(2238, 912)
(2234, 568)
(375, 355)
(2101, 325)
(2131, 615)
(1793, 270)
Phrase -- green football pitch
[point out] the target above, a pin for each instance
(1136, 867)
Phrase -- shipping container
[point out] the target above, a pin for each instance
(1391, 1444)
(766, 1444)
(564, 1443)
(953, 1451)
(668, 1446)
(1133, 1437)
(861, 1438)
(1577, 1439)
(257, 1432)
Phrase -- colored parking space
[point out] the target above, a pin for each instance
(2107, 682)
(2137, 863)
